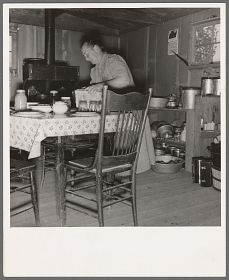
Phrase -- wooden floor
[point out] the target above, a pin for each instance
(163, 200)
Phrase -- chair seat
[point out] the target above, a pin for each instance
(20, 166)
(87, 163)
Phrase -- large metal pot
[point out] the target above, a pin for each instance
(188, 96)
(164, 130)
(217, 86)
(156, 124)
(210, 85)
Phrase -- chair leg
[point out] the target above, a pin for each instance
(99, 200)
(134, 203)
(63, 196)
(72, 175)
(43, 168)
(34, 198)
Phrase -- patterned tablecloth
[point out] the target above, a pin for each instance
(27, 133)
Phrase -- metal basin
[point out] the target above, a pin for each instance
(167, 164)
(158, 102)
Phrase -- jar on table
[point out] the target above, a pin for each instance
(20, 100)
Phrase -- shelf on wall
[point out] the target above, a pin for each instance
(203, 66)
(170, 109)
(209, 133)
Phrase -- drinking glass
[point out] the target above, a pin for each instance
(83, 106)
(93, 106)
(99, 106)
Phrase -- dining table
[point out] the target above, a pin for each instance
(28, 131)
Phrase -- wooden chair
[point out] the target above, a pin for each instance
(124, 146)
(72, 149)
(22, 180)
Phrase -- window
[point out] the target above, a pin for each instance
(206, 42)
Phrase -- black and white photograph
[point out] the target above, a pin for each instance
(114, 148)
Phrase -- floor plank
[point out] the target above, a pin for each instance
(163, 200)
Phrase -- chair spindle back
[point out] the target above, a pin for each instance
(131, 111)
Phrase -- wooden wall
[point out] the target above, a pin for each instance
(134, 47)
(147, 53)
(145, 50)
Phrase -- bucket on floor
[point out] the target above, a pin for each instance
(216, 177)
(201, 171)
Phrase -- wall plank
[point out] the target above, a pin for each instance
(134, 46)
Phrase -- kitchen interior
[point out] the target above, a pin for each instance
(174, 51)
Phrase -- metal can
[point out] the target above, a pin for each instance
(207, 86)
(172, 150)
(201, 171)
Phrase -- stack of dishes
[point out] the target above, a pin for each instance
(29, 114)
(45, 108)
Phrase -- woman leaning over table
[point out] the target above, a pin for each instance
(109, 69)
(112, 70)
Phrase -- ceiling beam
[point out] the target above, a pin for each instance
(63, 21)
(131, 14)
(93, 20)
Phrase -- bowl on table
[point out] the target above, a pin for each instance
(45, 108)
(167, 164)
(60, 107)
(30, 104)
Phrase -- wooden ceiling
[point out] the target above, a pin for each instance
(112, 21)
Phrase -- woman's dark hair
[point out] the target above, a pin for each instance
(92, 38)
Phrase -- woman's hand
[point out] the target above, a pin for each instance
(95, 88)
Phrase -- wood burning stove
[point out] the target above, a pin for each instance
(47, 74)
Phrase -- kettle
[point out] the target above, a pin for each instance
(172, 103)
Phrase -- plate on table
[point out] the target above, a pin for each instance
(85, 114)
(29, 114)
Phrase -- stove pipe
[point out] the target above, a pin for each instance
(49, 36)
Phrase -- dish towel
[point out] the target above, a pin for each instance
(146, 155)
